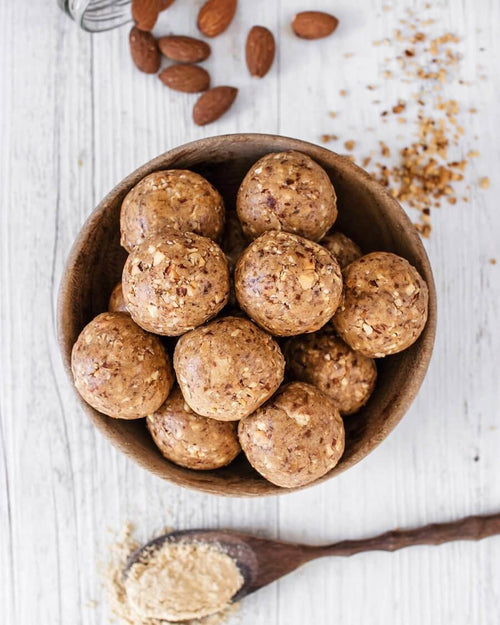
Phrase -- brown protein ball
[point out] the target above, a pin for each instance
(384, 305)
(287, 191)
(295, 438)
(287, 284)
(228, 368)
(325, 361)
(342, 247)
(174, 198)
(116, 302)
(119, 369)
(174, 282)
(190, 440)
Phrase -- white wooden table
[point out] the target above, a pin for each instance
(75, 117)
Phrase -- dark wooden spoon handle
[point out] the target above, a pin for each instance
(469, 528)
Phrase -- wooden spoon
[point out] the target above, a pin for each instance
(262, 561)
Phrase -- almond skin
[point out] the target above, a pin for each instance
(164, 4)
(144, 51)
(259, 50)
(145, 13)
(215, 16)
(213, 104)
(314, 24)
(184, 49)
(185, 77)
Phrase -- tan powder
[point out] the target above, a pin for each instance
(118, 589)
(181, 581)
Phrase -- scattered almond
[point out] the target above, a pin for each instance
(215, 16)
(145, 13)
(144, 51)
(213, 104)
(186, 77)
(259, 50)
(314, 24)
(184, 49)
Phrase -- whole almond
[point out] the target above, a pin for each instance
(215, 16)
(186, 78)
(213, 104)
(145, 13)
(314, 24)
(184, 49)
(144, 51)
(259, 50)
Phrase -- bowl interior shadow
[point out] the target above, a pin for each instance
(367, 213)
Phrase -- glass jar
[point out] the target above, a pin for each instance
(97, 15)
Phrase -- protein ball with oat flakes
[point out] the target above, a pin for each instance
(174, 282)
(174, 198)
(119, 369)
(287, 191)
(342, 247)
(287, 284)
(325, 361)
(116, 302)
(228, 368)
(190, 440)
(384, 305)
(295, 438)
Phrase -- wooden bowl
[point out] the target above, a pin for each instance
(367, 213)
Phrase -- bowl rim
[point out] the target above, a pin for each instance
(279, 143)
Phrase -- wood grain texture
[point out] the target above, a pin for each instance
(75, 118)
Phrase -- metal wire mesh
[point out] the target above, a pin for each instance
(98, 15)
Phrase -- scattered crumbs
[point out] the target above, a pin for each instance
(386, 7)
(493, 261)
(426, 167)
(92, 603)
(399, 107)
(328, 138)
(384, 149)
(80, 162)
(476, 458)
(348, 55)
(332, 114)
(343, 93)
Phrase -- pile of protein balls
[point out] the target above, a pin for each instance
(231, 287)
